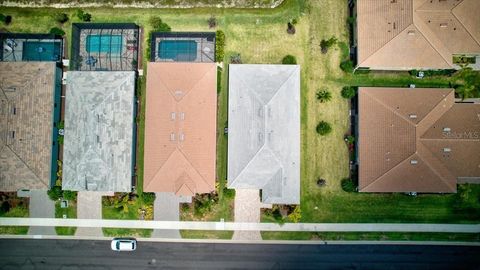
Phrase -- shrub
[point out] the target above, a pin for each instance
(57, 31)
(289, 60)
(326, 44)
(324, 128)
(219, 45)
(158, 25)
(60, 139)
(148, 197)
(296, 215)
(60, 17)
(55, 193)
(212, 22)
(6, 19)
(348, 92)
(69, 195)
(348, 185)
(5, 207)
(228, 193)
(291, 28)
(351, 20)
(321, 182)
(86, 17)
(349, 139)
(2, 17)
(324, 95)
(347, 66)
(235, 58)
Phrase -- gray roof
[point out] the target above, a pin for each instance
(264, 131)
(26, 124)
(98, 141)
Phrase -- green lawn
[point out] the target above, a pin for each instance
(19, 211)
(71, 212)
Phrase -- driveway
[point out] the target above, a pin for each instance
(89, 206)
(247, 209)
(166, 208)
(41, 207)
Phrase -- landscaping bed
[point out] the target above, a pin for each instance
(13, 206)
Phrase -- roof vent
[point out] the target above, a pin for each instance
(178, 93)
(10, 89)
(447, 129)
(414, 162)
(172, 115)
(182, 137)
(172, 136)
(182, 115)
(411, 32)
(447, 150)
(413, 116)
(443, 25)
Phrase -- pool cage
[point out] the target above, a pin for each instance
(182, 47)
(105, 46)
(31, 47)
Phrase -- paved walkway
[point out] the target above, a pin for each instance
(41, 206)
(166, 208)
(235, 226)
(247, 209)
(89, 206)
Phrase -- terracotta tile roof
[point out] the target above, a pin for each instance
(416, 140)
(405, 34)
(180, 128)
(26, 157)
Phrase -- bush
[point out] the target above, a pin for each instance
(348, 185)
(348, 92)
(347, 66)
(60, 17)
(228, 193)
(291, 28)
(326, 44)
(55, 193)
(289, 60)
(86, 17)
(296, 215)
(148, 197)
(324, 128)
(349, 139)
(235, 58)
(5, 207)
(324, 95)
(219, 45)
(321, 182)
(57, 31)
(70, 195)
(212, 22)
(158, 25)
(6, 19)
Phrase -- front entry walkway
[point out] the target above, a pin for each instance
(247, 209)
(41, 207)
(166, 208)
(89, 206)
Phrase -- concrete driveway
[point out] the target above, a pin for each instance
(41, 207)
(89, 206)
(166, 208)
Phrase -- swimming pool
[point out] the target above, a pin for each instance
(104, 44)
(177, 50)
(41, 51)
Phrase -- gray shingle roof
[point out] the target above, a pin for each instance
(264, 131)
(99, 123)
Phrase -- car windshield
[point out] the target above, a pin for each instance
(118, 245)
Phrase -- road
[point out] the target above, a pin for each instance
(96, 255)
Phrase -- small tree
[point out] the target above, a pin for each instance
(57, 31)
(212, 22)
(347, 66)
(326, 44)
(82, 15)
(158, 25)
(55, 193)
(6, 19)
(324, 128)
(324, 96)
(348, 92)
(289, 60)
(60, 17)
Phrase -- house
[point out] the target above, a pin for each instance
(29, 115)
(180, 128)
(99, 148)
(416, 140)
(264, 131)
(417, 34)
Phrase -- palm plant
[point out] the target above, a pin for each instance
(324, 96)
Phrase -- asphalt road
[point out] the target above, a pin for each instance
(96, 255)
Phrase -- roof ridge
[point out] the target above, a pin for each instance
(390, 109)
(24, 163)
(431, 113)
(448, 139)
(464, 27)
(159, 168)
(250, 161)
(432, 168)
(281, 86)
(188, 160)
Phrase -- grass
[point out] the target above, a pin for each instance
(191, 234)
(365, 236)
(19, 211)
(71, 212)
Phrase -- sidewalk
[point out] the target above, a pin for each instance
(41, 206)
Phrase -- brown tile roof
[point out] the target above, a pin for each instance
(405, 34)
(26, 158)
(180, 128)
(416, 140)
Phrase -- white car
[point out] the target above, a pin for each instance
(124, 244)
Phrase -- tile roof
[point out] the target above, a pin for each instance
(99, 122)
(406, 34)
(416, 140)
(180, 128)
(26, 157)
(264, 131)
